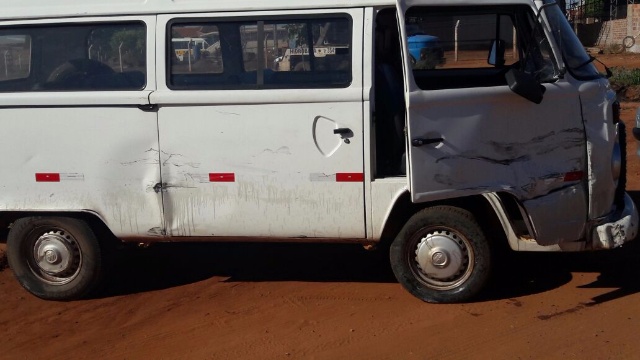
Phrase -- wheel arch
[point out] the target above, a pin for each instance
(492, 217)
(93, 219)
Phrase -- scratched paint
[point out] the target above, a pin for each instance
(261, 208)
(496, 141)
(108, 178)
(597, 98)
(274, 193)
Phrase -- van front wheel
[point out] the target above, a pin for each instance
(441, 255)
(55, 258)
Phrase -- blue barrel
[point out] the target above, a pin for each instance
(417, 42)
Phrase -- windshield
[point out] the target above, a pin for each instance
(575, 57)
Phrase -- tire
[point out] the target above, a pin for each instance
(628, 42)
(450, 245)
(55, 258)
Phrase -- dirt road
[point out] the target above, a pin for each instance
(332, 302)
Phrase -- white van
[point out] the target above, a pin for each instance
(513, 138)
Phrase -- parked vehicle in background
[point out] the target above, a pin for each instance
(297, 59)
(192, 46)
(304, 121)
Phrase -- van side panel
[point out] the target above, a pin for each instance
(238, 160)
(597, 99)
(74, 136)
(470, 134)
(103, 159)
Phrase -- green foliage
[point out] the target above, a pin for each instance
(625, 77)
(108, 43)
(131, 40)
(594, 8)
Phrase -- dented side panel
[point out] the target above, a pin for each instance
(94, 151)
(597, 99)
(264, 162)
(96, 158)
(493, 141)
(255, 170)
(569, 204)
(228, 174)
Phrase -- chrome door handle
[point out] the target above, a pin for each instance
(417, 142)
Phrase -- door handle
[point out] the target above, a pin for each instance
(148, 107)
(342, 131)
(417, 142)
(345, 134)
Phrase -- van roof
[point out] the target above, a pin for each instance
(35, 9)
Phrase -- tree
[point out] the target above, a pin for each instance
(594, 8)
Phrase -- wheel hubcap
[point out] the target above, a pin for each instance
(56, 257)
(443, 259)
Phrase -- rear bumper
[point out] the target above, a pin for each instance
(619, 228)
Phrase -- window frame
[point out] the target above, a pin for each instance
(14, 27)
(255, 19)
(514, 12)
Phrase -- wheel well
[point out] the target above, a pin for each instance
(403, 209)
(95, 223)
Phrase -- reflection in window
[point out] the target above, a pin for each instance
(297, 53)
(195, 50)
(330, 42)
(15, 52)
(475, 46)
(74, 57)
(459, 40)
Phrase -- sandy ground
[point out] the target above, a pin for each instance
(276, 301)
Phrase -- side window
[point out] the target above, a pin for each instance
(74, 57)
(15, 54)
(262, 53)
(465, 47)
(331, 44)
(250, 48)
(450, 41)
(539, 60)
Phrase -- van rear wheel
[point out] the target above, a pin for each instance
(441, 255)
(55, 258)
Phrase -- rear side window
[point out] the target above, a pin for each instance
(73, 57)
(260, 53)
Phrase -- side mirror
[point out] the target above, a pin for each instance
(525, 85)
(496, 56)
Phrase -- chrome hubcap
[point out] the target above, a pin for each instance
(56, 257)
(443, 259)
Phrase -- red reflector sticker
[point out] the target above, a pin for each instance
(573, 176)
(222, 177)
(349, 177)
(47, 177)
